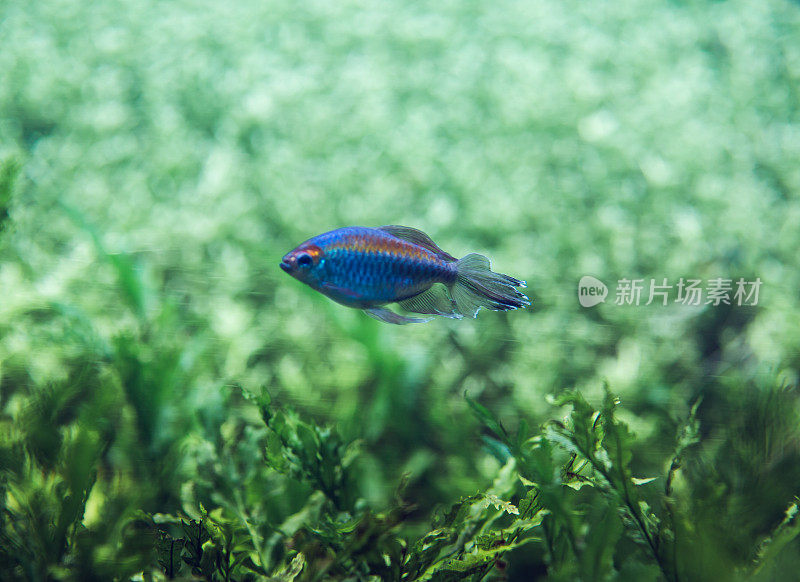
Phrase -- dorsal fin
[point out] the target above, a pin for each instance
(417, 237)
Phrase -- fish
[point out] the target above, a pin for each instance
(369, 268)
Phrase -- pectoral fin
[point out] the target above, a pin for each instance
(342, 295)
(383, 314)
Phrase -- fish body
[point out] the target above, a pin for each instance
(368, 268)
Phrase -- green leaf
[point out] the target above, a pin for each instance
(487, 419)
(290, 572)
(479, 560)
(497, 449)
(605, 528)
(780, 537)
(494, 500)
(128, 271)
(456, 513)
(9, 170)
(688, 435)
(168, 550)
(195, 535)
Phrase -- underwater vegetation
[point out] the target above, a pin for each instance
(267, 495)
(173, 406)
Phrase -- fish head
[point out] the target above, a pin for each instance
(304, 263)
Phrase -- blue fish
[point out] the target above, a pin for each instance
(369, 268)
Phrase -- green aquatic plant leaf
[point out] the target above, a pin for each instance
(10, 169)
(128, 272)
(783, 534)
(169, 551)
(487, 418)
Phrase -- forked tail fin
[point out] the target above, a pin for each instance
(478, 286)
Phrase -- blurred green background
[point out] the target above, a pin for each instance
(158, 158)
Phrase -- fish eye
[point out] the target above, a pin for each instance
(303, 260)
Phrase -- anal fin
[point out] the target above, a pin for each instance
(435, 301)
(383, 314)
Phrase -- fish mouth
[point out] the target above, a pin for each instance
(285, 266)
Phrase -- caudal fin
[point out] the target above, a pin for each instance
(478, 286)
